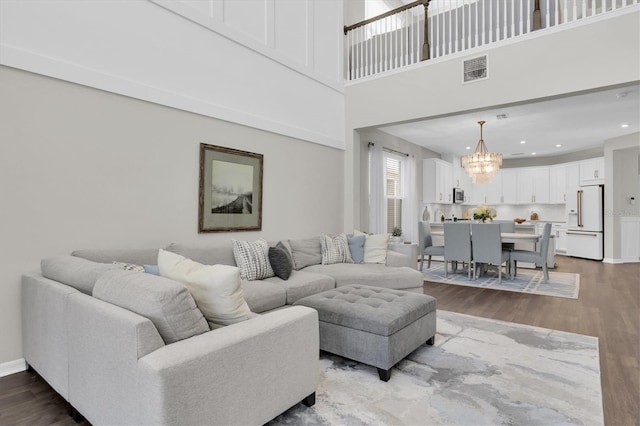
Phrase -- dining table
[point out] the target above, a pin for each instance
(507, 237)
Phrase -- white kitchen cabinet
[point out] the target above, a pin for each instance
(592, 171)
(572, 182)
(437, 181)
(557, 184)
(509, 179)
(487, 193)
(533, 185)
(462, 180)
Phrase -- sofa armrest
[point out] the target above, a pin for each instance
(395, 258)
(246, 373)
(105, 343)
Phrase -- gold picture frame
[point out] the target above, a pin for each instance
(230, 190)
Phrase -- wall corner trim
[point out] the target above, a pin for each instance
(12, 367)
(612, 261)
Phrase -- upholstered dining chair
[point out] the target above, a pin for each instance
(507, 226)
(426, 246)
(457, 245)
(487, 247)
(538, 257)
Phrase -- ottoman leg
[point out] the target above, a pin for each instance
(310, 400)
(384, 375)
(431, 341)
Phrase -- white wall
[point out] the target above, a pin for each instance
(253, 62)
(395, 143)
(545, 64)
(84, 168)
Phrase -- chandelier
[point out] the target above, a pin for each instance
(482, 165)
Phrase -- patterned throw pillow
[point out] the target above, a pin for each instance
(252, 257)
(129, 266)
(335, 249)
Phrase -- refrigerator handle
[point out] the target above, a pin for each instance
(579, 194)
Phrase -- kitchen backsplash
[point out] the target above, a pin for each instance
(546, 212)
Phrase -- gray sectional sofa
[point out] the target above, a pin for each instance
(115, 366)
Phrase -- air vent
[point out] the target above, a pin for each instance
(518, 153)
(501, 116)
(475, 69)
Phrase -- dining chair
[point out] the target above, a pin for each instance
(538, 257)
(487, 247)
(457, 245)
(508, 226)
(426, 246)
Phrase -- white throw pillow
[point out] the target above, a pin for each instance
(375, 247)
(215, 288)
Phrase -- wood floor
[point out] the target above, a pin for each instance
(608, 308)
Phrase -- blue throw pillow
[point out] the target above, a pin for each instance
(356, 247)
(152, 269)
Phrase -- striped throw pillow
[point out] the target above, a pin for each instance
(252, 258)
(335, 249)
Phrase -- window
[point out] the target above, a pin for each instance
(394, 191)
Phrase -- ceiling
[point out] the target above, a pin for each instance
(576, 123)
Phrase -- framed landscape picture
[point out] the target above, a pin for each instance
(230, 190)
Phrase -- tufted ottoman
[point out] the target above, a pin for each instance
(373, 325)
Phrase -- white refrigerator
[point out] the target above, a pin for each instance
(585, 225)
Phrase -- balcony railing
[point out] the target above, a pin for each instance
(403, 36)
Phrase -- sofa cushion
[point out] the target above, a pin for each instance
(370, 274)
(280, 261)
(168, 304)
(334, 249)
(302, 284)
(215, 288)
(135, 256)
(252, 257)
(76, 272)
(356, 248)
(263, 295)
(218, 253)
(306, 252)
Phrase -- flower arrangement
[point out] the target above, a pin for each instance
(484, 213)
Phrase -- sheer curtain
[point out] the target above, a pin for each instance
(410, 210)
(377, 202)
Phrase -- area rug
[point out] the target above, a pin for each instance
(561, 284)
(479, 372)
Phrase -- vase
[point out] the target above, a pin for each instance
(425, 214)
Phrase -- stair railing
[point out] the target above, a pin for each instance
(391, 40)
(427, 29)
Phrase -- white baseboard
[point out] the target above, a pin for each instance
(614, 261)
(12, 367)
(630, 260)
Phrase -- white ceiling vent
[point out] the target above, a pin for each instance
(475, 69)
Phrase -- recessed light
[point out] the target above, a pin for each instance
(624, 126)
(533, 153)
(558, 145)
(467, 147)
(523, 142)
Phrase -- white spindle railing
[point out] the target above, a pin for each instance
(397, 40)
